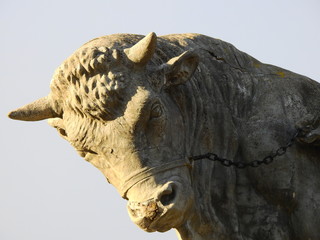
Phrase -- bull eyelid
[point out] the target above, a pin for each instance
(156, 110)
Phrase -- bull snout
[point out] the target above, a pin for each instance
(145, 213)
(166, 194)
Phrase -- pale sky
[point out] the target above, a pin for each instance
(47, 192)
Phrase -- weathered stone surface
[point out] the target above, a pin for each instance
(137, 108)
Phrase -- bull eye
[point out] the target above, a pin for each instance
(156, 111)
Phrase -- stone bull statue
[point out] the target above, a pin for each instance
(140, 108)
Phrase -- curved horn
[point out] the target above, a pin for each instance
(35, 111)
(141, 52)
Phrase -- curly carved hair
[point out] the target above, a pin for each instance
(86, 84)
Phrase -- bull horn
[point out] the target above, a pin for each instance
(38, 110)
(142, 51)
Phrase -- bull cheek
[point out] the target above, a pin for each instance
(156, 132)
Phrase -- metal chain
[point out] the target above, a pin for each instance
(255, 163)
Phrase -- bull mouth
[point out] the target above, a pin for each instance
(157, 222)
(154, 216)
(158, 225)
(165, 221)
(145, 214)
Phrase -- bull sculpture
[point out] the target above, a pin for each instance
(139, 108)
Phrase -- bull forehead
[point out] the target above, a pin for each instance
(98, 82)
(81, 127)
(136, 105)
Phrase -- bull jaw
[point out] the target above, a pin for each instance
(195, 229)
(189, 231)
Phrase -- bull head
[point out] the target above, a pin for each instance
(138, 149)
(42, 108)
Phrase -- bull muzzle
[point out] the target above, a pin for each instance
(156, 213)
(167, 204)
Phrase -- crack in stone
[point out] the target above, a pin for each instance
(225, 61)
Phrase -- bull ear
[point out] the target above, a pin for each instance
(35, 111)
(179, 69)
(142, 52)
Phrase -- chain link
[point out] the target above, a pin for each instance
(255, 163)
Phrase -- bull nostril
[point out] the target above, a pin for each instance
(167, 197)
